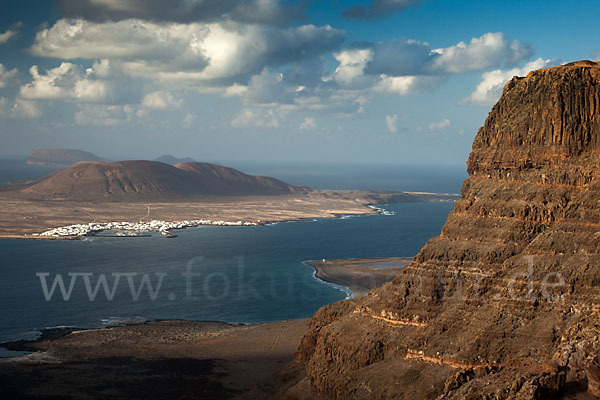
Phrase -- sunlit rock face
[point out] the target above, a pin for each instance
(504, 303)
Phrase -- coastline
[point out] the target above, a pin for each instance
(227, 360)
(28, 218)
(359, 275)
(181, 358)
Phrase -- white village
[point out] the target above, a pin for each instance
(133, 228)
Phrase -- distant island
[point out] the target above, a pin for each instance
(169, 159)
(90, 196)
(150, 181)
(60, 157)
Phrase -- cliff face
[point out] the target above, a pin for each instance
(504, 303)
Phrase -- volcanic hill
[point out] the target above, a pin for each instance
(169, 159)
(504, 304)
(59, 157)
(150, 180)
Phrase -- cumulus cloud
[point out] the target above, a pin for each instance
(252, 11)
(440, 125)
(10, 33)
(100, 83)
(188, 120)
(404, 67)
(308, 124)
(257, 118)
(25, 109)
(218, 52)
(352, 64)
(103, 115)
(66, 82)
(391, 122)
(404, 85)
(378, 9)
(488, 91)
(7, 76)
(161, 100)
(401, 57)
(267, 87)
(487, 51)
(285, 93)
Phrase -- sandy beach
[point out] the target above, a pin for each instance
(359, 275)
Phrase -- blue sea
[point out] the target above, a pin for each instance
(232, 274)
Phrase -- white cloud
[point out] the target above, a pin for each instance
(490, 88)
(267, 88)
(439, 125)
(189, 120)
(196, 52)
(352, 64)
(235, 90)
(403, 67)
(486, 51)
(65, 82)
(101, 83)
(404, 85)
(10, 33)
(273, 90)
(308, 124)
(391, 121)
(161, 100)
(257, 118)
(103, 115)
(25, 109)
(6, 76)
(400, 57)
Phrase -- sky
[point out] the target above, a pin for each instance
(359, 82)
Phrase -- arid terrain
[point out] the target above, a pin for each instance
(504, 303)
(182, 359)
(159, 360)
(23, 215)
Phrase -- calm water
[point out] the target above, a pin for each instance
(243, 274)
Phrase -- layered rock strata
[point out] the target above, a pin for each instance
(504, 303)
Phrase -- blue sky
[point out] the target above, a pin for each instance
(374, 81)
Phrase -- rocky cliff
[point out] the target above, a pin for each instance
(504, 303)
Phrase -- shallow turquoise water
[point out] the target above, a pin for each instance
(242, 274)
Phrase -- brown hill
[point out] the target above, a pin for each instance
(504, 303)
(59, 157)
(169, 159)
(150, 180)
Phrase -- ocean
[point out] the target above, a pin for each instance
(232, 274)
